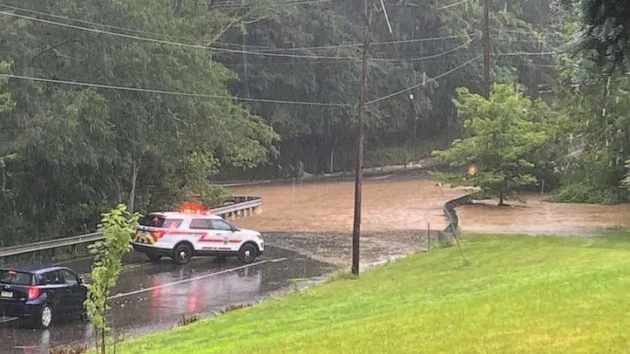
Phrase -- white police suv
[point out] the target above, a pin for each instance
(191, 232)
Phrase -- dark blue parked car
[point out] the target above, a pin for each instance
(38, 295)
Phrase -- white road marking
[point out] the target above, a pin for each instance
(117, 296)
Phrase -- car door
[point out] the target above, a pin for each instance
(55, 290)
(211, 241)
(76, 293)
(224, 230)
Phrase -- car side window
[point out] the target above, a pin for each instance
(69, 277)
(203, 224)
(51, 278)
(221, 225)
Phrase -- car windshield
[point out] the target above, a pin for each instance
(160, 221)
(15, 278)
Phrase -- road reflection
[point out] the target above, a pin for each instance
(154, 297)
(203, 295)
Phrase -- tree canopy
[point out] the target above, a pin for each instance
(502, 136)
(146, 102)
(606, 31)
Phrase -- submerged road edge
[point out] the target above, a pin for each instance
(209, 275)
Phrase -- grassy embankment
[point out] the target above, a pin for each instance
(519, 294)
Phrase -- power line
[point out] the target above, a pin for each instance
(236, 5)
(428, 56)
(451, 5)
(195, 46)
(173, 93)
(260, 48)
(543, 41)
(94, 30)
(429, 39)
(527, 53)
(424, 83)
(526, 32)
(352, 45)
(109, 26)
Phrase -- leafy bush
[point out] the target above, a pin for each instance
(188, 319)
(588, 193)
(482, 195)
(117, 227)
(79, 349)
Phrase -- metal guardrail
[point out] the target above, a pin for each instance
(239, 205)
(46, 245)
(451, 214)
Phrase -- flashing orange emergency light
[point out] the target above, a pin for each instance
(193, 208)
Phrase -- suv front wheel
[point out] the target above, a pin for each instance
(248, 253)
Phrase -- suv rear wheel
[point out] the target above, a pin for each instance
(182, 254)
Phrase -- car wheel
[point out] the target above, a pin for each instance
(45, 317)
(247, 254)
(154, 258)
(182, 254)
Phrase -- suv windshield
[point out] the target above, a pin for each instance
(160, 221)
(15, 278)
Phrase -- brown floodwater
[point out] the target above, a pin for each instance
(398, 205)
(328, 207)
(536, 215)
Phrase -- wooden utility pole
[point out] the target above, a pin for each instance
(486, 49)
(358, 183)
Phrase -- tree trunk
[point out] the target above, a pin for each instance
(103, 346)
(4, 181)
(135, 169)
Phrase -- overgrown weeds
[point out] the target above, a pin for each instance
(77, 349)
(188, 319)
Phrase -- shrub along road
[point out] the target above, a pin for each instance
(518, 294)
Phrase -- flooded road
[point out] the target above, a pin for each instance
(538, 216)
(154, 297)
(400, 205)
(328, 207)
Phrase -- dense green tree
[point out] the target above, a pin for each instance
(502, 138)
(84, 149)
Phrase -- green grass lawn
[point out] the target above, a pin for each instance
(519, 294)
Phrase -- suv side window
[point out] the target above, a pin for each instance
(203, 224)
(51, 278)
(221, 225)
(69, 277)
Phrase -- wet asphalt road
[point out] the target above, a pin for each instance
(153, 297)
